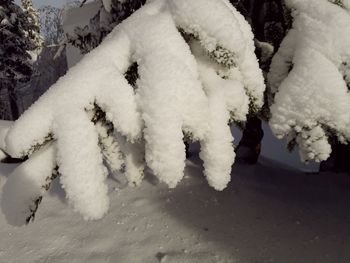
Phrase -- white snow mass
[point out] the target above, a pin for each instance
(197, 72)
(309, 77)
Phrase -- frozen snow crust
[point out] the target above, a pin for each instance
(195, 88)
(310, 77)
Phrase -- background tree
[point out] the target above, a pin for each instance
(51, 24)
(33, 28)
(52, 62)
(18, 37)
(102, 23)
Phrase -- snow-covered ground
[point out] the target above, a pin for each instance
(267, 214)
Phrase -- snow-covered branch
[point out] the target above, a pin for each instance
(181, 87)
(309, 77)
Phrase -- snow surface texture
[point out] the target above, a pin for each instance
(268, 214)
(309, 77)
(177, 92)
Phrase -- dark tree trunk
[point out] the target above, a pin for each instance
(267, 21)
(13, 103)
(187, 149)
(9, 105)
(249, 147)
(338, 161)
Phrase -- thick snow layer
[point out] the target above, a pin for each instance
(267, 214)
(226, 97)
(309, 77)
(60, 112)
(176, 93)
(26, 185)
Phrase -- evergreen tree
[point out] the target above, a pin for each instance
(174, 67)
(51, 24)
(15, 65)
(102, 23)
(33, 27)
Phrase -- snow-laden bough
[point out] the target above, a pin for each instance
(310, 77)
(197, 72)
